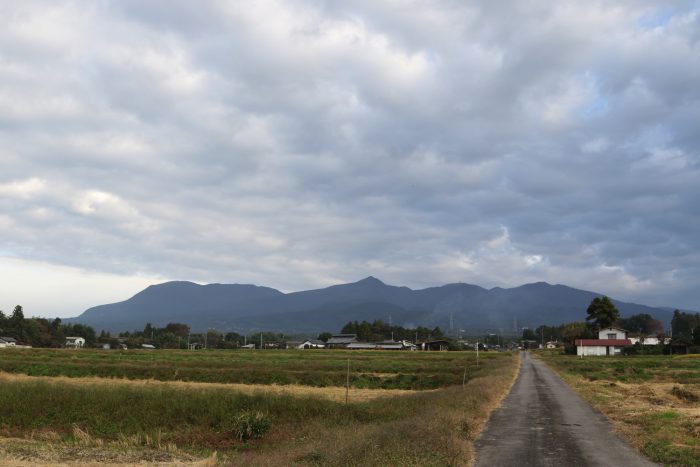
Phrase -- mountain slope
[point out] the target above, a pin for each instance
(249, 307)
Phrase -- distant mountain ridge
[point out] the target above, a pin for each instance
(247, 308)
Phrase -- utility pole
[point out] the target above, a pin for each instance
(347, 382)
(477, 352)
(542, 334)
(464, 376)
(261, 341)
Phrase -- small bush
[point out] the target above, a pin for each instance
(249, 425)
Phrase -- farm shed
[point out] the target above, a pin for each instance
(361, 346)
(341, 341)
(435, 345)
(394, 345)
(75, 342)
(600, 347)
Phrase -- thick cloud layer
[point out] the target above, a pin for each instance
(300, 144)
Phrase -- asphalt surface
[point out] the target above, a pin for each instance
(542, 422)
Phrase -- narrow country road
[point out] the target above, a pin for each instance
(542, 422)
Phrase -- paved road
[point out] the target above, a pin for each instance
(542, 422)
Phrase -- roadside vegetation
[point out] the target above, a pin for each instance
(653, 400)
(172, 421)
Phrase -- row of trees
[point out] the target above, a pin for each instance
(378, 330)
(178, 336)
(42, 332)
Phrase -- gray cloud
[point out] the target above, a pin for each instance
(297, 144)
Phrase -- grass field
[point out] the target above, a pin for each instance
(184, 407)
(374, 370)
(654, 401)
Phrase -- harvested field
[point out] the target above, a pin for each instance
(370, 370)
(652, 400)
(117, 420)
(333, 393)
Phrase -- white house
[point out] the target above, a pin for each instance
(610, 341)
(75, 342)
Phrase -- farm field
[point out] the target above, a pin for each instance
(373, 370)
(654, 401)
(246, 407)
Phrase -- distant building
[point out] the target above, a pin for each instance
(341, 341)
(305, 344)
(361, 346)
(7, 342)
(248, 346)
(435, 345)
(650, 340)
(396, 345)
(75, 342)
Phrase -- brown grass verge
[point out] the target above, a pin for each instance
(658, 418)
(21, 452)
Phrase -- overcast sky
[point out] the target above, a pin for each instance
(299, 144)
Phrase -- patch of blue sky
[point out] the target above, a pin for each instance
(661, 16)
(597, 104)
(596, 107)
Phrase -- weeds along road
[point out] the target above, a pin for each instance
(542, 422)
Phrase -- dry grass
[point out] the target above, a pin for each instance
(38, 451)
(659, 417)
(332, 393)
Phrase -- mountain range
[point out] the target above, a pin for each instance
(250, 308)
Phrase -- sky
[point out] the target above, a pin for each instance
(300, 144)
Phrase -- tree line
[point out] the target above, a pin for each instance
(42, 332)
(378, 330)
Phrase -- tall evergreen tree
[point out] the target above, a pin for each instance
(602, 313)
